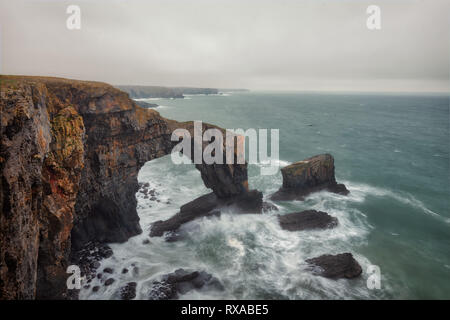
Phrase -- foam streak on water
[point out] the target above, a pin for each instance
(252, 256)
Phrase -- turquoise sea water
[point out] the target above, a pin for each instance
(392, 152)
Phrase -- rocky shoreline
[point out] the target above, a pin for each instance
(70, 153)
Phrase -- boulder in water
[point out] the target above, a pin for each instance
(180, 282)
(335, 266)
(306, 220)
(128, 292)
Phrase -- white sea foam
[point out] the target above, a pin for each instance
(249, 253)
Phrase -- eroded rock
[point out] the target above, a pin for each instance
(70, 153)
(307, 176)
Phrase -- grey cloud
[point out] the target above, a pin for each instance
(280, 45)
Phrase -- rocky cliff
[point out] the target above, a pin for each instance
(70, 152)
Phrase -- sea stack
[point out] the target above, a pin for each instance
(310, 175)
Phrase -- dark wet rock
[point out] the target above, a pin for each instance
(99, 276)
(267, 206)
(128, 292)
(144, 185)
(124, 270)
(86, 286)
(146, 241)
(108, 270)
(135, 271)
(335, 266)
(306, 220)
(109, 281)
(307, 176)
(95, 289)
(181, 282)
(162, 291)
(208, 205)
(88, 259)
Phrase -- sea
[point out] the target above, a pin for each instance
(391, 150)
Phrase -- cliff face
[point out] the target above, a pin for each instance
(70, 152)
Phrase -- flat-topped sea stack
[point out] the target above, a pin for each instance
(310, 175)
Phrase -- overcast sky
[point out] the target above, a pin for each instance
(261, 45)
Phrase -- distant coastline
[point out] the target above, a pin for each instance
(141, 92)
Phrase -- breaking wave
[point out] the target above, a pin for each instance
(250, 254)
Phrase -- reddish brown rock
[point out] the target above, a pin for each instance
(307, 176)
(70, 152)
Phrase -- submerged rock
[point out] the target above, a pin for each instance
(208, 205)
(109, 282)
(335, 266)
(181, 282)
(267, 206)
(307, 176)
(306, 220)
